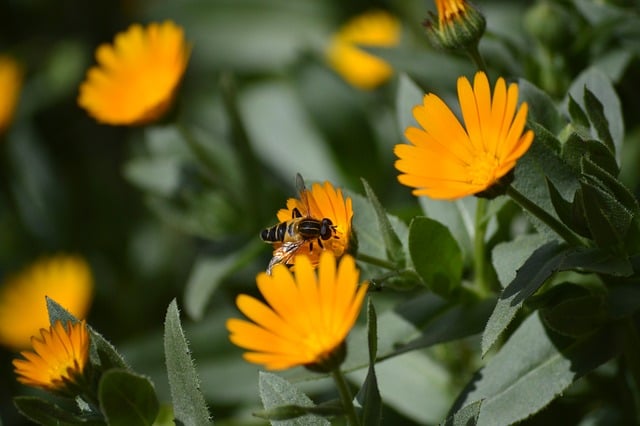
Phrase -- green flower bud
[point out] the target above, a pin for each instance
(459, 25)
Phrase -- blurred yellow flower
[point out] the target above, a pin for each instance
(10, 85)
(324, 201)
(446, 160)
(58, 357)
(359, 68)
(306, 318)
(23, 309)
(136, 77)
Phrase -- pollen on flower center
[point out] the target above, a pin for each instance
(483, 170)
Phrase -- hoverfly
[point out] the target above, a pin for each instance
(301, 229)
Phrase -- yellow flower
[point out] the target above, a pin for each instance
(23, 309)
(136, 77)
(58, 358)
(446, 160)
(10, 84)
(324, 201)
(306, 318)
(359, 68)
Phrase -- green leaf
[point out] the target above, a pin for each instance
(578, 116)
(436, 255)
(542, 108)
(596, 82)
(538, 268)
(102, 353)
(599, 121)
(571, 311)
(393, 245)
(577, 148)
(408, 96)
(276, 392)
(507, 257)
(533, 368)
(540, 163)
(458, 216)
(209, 272)
(466, 416)
(289, 412)
(189, 405)
(369, 394)
(44, 412)
(127, 398)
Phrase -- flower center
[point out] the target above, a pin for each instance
(482, 171)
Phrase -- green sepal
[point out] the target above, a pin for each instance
(393, 245)
(436, 256)
(44, 412)
(127, 398)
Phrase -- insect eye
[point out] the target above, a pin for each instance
(326, 229)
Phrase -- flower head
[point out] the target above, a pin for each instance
(446, 160)
(307, 315)
(58, 358)
(23, 309)
(459, 25)
(320, 202)
(10, 84)
(136, 77)
(359, 68)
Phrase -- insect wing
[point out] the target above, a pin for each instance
(284, 254)
(304, 195)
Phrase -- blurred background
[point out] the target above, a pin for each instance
(174, 210)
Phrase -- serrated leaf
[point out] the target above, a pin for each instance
(507, 257)
(435, 255)
(369, 394)
(44, 412)
(538, 268)
(577, 148)
(276, 391)
(393, 245)
(189, 405)
(533, 368)
(127, 398)
(608, 220)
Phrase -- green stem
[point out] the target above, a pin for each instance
(474, 53)
(479, 248)
(346, 397)
(376, 261)
(567, 234)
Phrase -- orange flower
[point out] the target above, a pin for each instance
(446, 160)
(58, 358)
(322, 201)
(136, 77)
(307, 316)
(359, 68)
